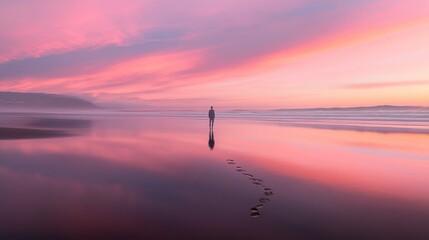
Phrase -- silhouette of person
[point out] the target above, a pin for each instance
(211, 139)
(211, 117)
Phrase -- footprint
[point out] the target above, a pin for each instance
(255, 214)
(239, 168)
(259, 206)
(256, 179)
(267, 191)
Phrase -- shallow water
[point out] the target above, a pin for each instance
(130, 177)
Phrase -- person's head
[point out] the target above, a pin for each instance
(211, 107)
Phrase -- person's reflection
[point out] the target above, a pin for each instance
(211, 139)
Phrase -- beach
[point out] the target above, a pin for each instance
(112, 176)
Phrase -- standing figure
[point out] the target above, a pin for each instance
(211, 117)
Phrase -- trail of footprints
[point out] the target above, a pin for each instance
(254, 211)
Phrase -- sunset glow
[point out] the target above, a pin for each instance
(232, 54)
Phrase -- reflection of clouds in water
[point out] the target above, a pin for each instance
(122, 169)
(254, 211)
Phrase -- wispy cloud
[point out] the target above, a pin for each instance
(160, 49)
(370, 85)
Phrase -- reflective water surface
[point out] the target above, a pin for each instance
(135, 177)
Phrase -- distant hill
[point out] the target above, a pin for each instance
(16, 100)
(370, 108)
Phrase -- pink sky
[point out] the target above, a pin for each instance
(231, 54)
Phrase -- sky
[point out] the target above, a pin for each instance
(233, 54)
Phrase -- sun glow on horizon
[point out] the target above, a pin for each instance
(262, 56)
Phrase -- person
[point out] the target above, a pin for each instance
(211, 117)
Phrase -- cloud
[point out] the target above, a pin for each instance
(227, 43)
(32, 29)
(80, 61)
(154, 48)
(371, 85)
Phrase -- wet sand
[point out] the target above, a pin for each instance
(19, 126)
(29, 133)
(157, 178)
